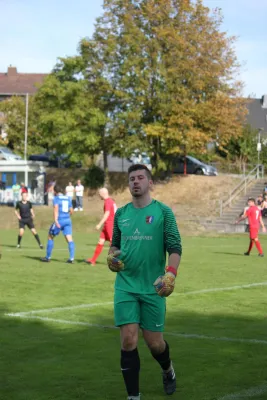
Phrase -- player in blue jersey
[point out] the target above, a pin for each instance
(62, 222)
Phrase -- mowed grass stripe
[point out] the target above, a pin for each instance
(55, 309)
(177, 334)
(91, 305)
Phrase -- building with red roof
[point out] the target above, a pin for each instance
(13, 83)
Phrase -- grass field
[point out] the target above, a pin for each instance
(216, 324)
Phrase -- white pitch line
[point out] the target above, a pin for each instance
(217, 339)
(63, 321)
(91, 305)
(181, 335)
(48, 310)
(251, 392)
(222, 289)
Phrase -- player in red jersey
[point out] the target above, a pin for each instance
(107, 221)
(253, 214)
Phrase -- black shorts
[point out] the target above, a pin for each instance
(28, 222)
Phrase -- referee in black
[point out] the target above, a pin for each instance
(25, 214)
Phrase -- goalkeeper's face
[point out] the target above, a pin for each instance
(139, 184)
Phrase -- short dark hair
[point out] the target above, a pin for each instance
(58, 189)
(252, 199)
(140, 167)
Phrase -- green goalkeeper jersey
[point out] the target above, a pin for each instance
(144, 235)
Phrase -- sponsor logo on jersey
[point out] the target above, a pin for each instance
(149, 219)
(137, 236)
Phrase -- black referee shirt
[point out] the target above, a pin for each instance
(24, 209)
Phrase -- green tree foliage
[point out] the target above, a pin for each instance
(94, 71)
(14, 115)
(94, 177)
(66, 113)
(14, 121)
(244, 148)
(172, 73)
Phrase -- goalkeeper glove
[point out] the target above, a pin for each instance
(114, 263)
(164, 285)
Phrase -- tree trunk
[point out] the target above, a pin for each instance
(105, 160)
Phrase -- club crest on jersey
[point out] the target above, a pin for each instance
(149, 220)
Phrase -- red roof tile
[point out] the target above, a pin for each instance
(13, 82)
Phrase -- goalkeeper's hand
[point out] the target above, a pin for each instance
(164, 285)
(114, 263)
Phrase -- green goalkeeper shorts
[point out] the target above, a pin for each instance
(147, 310)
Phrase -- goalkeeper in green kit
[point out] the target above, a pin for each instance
(144, 230)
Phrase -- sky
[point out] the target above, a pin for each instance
(35, 33)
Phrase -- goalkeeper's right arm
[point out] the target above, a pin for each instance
(114, 263)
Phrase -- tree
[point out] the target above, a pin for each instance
(119, 40)
(94, 71)
(172, 74)
(244, 148)
(14, 115)
(67, 116)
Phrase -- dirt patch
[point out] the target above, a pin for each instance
(193, 195)
(191, 198)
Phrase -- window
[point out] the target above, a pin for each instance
(9, 179)
(189, 162)
(32, 179)
(20, 177)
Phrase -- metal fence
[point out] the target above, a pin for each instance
(256, 173)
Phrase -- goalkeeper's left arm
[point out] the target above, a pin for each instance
(164, 285)
(174, 261)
